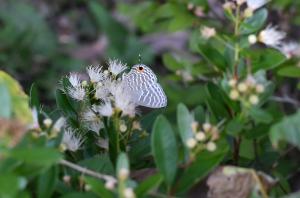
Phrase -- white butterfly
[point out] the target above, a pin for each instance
(144, 88)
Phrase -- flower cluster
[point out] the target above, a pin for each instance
(246, 91)
(204, 137)
(105, 92)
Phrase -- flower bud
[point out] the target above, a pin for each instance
(259, 88)
(206, 127)
(211, 146)
(47, 122)
(200, 136)
(253, 99)
(128, 193)
(191, 143)
(242, 87)
(232, 82)
(123, 173)
(234, 94)
(252, 39)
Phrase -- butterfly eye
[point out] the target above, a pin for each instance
(140, 68)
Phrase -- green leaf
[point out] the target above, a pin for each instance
(99, 163)
(10, 185)
(148, 185)
(5, 102)
(164, 149)
(37, 156)
(288, 129)
(184, 121)
(98, 188)
(47, 182)
(213, 56)
(254, 23)
(80, 195)
(171, 63)
(34, 97)
(266, 59)
(203, 164)
(234, 127)
(64, 104)
(290, 71)
(260, 116)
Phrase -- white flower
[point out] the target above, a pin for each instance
(234, 94)
(77, 93)
(95, 126)
(116, 67)
(255, 4)
(74, 80)
(123, 99)
(102, 89)
(59, 124)
(191, 143)
(95, 74)
(271, 36)
(228, 5)
(128, 193)
(252, 39)
(89, 115)
(105, 109)
(208, 32)
(290, 49)
(72, 141)
(253, 99)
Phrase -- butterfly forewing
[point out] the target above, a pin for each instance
(144, 88)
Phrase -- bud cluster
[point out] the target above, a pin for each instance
(204, 137)
(246, 91)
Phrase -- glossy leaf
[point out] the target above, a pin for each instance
(98, 188)
(290, 71)
(164, 149)
(47, 182)
(184, 121)
(254, 23)
(148, 185)
(37, 156)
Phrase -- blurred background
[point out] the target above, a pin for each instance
(41, 40)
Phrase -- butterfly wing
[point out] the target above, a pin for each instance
(145, 91)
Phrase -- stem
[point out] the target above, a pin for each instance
(236, 46)
(87, 171)
(236, 150)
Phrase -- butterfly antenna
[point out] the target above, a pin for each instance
(140, 58)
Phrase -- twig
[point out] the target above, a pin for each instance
(86, 171)
(286, 99)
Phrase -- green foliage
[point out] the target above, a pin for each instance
(229, 100)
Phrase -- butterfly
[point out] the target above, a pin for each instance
(141, 82)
